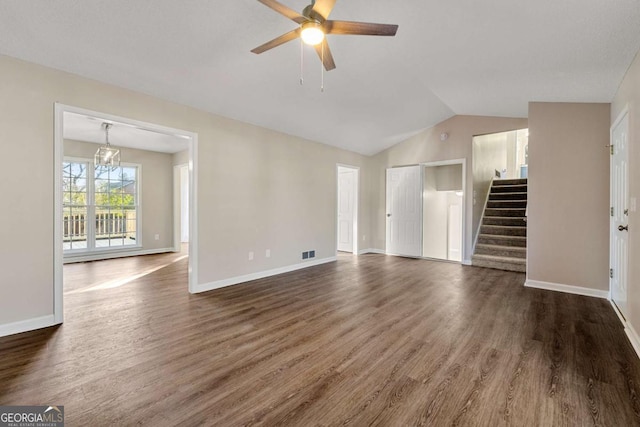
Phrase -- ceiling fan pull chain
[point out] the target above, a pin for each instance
(301, 62)
(322, 70)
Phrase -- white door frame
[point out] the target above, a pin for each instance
(58, 144)
(462, 162)
(618, 274)
(177, 206)
(356, 169)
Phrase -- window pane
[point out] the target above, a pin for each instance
(101, 172)
(75, 227)
(78, 198)
(102, 185)
(102, 199)
(78, 184)
(77, 170)
(74, 198)
(129, 174)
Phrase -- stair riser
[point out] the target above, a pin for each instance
(488, 240)
(514, 253)
(500, 265)
(516, 181)
(508, 196)
(512, 221)
(504, 231)
(509, 189)
(515, 204)
(504, 212)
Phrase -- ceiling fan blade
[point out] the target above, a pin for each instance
(324, 7)
(287, 37)
(326, 57)
(284, 10)
(359, 28)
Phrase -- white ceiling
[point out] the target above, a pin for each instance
(89, 129)
(449, 57)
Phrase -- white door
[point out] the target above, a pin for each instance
(404, 211)
(455, 233)
(619, 235)
(346, 208)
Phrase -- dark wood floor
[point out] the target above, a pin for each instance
(372, 340)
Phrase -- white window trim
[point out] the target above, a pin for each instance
(91, 206)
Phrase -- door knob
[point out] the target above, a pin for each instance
(623, 228)
(388, 215)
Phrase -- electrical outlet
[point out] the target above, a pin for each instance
(364, 237)
(250, 256)
(305, 255)
(267, 253)
(312, 254)
(157, 237)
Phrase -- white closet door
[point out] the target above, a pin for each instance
(404, 211)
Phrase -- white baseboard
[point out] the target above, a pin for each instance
(617, 311)
(633, 337)
(115, 254)
(26, 325)
(631, 333)
(371, 251)
(203, 287)
(558, 287)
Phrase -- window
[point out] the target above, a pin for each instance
(100, 206)
(75, 208)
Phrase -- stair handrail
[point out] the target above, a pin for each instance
(484, 208)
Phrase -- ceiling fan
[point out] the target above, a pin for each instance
(314, 25)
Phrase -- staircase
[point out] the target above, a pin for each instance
(502, 242)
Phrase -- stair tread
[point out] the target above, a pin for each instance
(497, 258)
(501, 217)
(500, 236)
(500, 184)
(501, 247)
(511, 227)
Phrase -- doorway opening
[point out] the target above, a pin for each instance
(442, 211)
(347, 209)
(504, 157)
(122, 209)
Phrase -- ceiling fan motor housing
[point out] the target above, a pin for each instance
(309, 13)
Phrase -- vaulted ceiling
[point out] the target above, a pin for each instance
(449, 57)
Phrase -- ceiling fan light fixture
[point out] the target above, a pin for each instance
(312, 33)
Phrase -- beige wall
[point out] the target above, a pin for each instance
(489, 155)
(568, 222)
(447, 177)
(156, 189)
(181, 158)
(427, 147)
(628, 95)
(258, 189)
